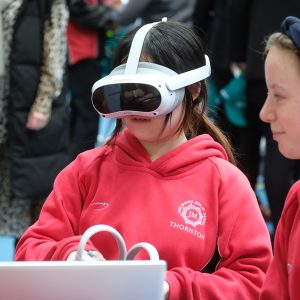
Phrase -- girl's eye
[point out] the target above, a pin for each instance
(278, 97)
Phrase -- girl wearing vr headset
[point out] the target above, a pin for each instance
(282, 111)
(167, 179)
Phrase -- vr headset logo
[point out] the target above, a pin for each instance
(142, 88)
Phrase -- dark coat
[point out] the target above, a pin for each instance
(251, 22)
(211, 22)
(36, 157)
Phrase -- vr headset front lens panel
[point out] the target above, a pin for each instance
(144, 94)
(119, 97)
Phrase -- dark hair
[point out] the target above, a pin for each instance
(179, 48)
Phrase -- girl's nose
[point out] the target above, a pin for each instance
(267, 113)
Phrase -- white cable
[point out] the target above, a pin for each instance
(100, 228)
(83, 255)
(150, 249)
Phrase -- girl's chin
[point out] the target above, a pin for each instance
(289, 153)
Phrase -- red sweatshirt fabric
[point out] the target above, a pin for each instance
(83, 43)
(182, 203)
(283, 277)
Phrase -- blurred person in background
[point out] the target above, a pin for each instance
(33, 108)
(154, 10)
(89, 21)
(251, 21)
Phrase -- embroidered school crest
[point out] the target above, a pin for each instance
(193, 213)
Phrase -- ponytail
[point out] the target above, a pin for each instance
(196, 122)
(220, 137)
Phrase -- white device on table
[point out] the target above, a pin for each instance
(123, 279)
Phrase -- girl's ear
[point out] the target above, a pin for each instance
(195, 90)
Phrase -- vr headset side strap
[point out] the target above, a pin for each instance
(184, 79)
(136, 49)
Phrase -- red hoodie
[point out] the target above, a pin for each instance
(182, 203)
(283, 277)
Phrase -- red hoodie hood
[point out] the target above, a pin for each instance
(130, 152)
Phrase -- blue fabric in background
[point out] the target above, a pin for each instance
(106, 128)
(7, 248)
(233, 98)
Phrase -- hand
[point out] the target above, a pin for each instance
(166, 289)
(95, 254)
(238, 68)
(37, 121)
(115, 4)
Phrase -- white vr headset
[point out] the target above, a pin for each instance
(143, 88)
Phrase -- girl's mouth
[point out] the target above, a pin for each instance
(140, 119)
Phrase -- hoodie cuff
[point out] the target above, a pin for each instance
(174, 284)
(66, 246)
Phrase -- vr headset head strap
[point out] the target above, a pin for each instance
(174, 82)
(136, 48)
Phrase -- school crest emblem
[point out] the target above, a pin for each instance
(193, 213)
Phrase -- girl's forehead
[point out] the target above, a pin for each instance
(284, 60)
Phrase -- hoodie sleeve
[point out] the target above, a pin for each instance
(243, 244)
(282, 280)
(56, 234)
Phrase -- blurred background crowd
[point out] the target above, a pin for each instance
(51, 53)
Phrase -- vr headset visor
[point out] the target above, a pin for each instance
(142, 88)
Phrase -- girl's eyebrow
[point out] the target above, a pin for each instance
(277, 86)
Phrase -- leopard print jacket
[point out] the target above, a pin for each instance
(54, 59)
